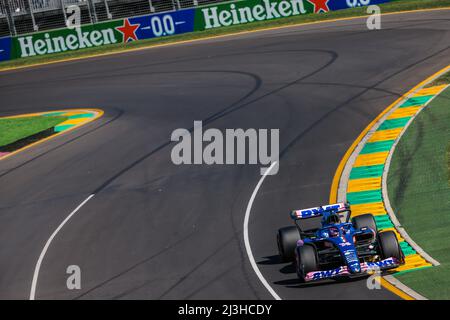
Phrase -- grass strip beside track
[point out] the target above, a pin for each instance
(395, 6)
(419, 192)
(448, 162)
(445, 79)
(14, 129)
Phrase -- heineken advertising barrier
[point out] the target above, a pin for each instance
(166, 24)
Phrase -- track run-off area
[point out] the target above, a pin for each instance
(107, 197)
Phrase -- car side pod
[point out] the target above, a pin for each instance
(366, 267)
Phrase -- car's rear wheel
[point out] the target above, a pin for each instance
(306, 261)
(388, 246)
(365, 220)
(287, 242)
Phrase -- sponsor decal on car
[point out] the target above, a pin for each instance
(311, 212)
(344, 271)
(319, 275)
(345, 244)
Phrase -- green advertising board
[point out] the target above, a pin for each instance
(63, 40)
(241, 12)
(166, 24)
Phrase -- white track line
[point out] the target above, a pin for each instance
(246, 239)
(47, 244)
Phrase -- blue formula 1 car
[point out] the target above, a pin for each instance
(325, 244)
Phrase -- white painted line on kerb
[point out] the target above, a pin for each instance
(47, 245)
(246, 239)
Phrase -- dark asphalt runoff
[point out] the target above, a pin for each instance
(155, 230)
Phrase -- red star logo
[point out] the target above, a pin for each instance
(320, 5)
(128, 30)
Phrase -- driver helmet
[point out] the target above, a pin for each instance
(333, 218)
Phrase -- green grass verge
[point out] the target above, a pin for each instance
(395, 6)
(448, 162)
(15, 129)
(441, 80)
(419, 191)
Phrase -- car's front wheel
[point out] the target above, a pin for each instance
(364, 220)
(305, 260)
(389, 247)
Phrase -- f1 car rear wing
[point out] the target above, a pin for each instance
(318, 211)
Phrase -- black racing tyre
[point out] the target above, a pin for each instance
(306, 261)
(364, 220)
(287, 242)
(388, 246)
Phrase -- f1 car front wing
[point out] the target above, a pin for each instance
(366, 267)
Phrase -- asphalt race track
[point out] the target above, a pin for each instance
(154, 230)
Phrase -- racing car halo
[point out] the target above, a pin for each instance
(325, 244)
